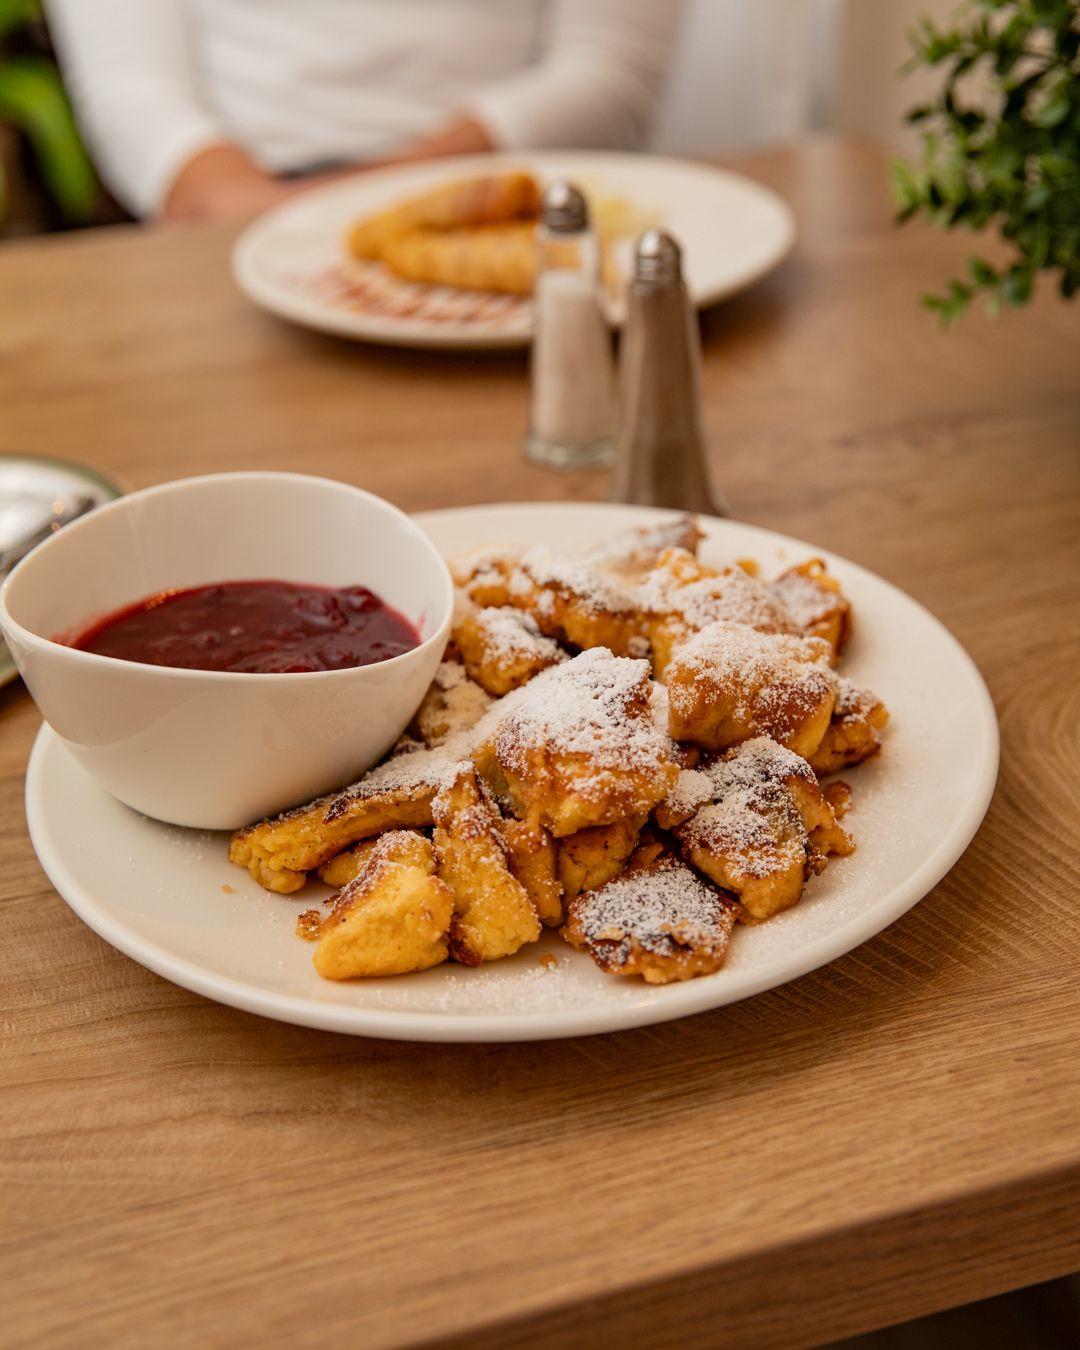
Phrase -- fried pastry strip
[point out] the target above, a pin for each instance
(397, 794)
(483, 200)
(500, 258)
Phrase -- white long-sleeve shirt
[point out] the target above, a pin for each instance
(303, 83)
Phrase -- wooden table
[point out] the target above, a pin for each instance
(894, 1134)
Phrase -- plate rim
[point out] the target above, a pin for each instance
(684, 1000)
(111, 491)
(407, 333)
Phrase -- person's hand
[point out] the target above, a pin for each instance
(462, 135)
(223, 182)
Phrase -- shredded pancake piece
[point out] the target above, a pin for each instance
(533, 856)
(628, 557)
(817, 605)
(392, 918)
(764, 828)
(658, 919)
(453, 704)
(502, 649)
(395, 795)
(854, 730)
(578, 746)
(493, 915)
(730, 683)
(590, 858)
(484, 575)
(681, 596)
(574, 602)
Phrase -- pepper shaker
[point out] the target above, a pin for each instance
(573, 408)
(661, 457)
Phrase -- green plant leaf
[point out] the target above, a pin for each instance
(1010, 162)
(32, 99)
(17, 14)
(1017, 287)
(1057, 107)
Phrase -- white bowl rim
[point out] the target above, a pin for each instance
(30, 638)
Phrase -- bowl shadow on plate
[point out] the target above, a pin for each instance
(721, 1055)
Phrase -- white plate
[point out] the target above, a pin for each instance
(28, 483)
(169, 898)
(292, 260)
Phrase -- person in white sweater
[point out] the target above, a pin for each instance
(203, 109)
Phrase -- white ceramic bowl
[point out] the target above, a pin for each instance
(216, 750)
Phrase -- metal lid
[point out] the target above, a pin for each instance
(657, 258)
(564, 209)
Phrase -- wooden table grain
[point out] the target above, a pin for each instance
(893, 1134)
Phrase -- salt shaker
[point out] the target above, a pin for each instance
(572, 420)
(661, 439)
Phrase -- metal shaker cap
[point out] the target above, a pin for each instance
(657, 258)
(563, 209)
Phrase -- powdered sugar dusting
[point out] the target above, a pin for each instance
(751, 813)
(450, 675)
(806, 601)
(693, 788)
(595, 706)
(583, 581)
(661, 909)
(771, 679)
(633, 551)
(489, 561)
(852, 701)
(732, 595)
(511, 635)
(417, 771)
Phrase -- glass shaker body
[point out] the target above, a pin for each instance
(572, 416)
(661, 457)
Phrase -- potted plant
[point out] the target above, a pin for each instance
(1007, 159)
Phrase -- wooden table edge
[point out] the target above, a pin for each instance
(893, 1268)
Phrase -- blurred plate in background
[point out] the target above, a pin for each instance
(293, 261)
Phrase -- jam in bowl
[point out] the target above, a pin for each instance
(253, 627)
(217, 748)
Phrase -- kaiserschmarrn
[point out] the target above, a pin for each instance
(626, 746)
